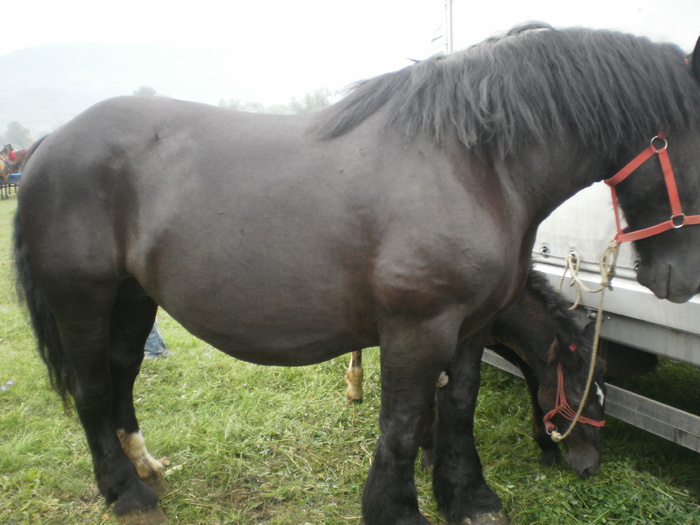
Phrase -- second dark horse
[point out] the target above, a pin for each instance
(539, 334)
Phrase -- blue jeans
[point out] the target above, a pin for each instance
(155, 345)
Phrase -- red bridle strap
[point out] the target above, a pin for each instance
(678, 219)
(562, 407)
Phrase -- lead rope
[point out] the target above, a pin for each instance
(607, 262)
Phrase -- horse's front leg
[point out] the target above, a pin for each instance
(458, 482)
(411, 361)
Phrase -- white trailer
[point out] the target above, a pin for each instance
(585, 224)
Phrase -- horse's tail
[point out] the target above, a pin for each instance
(42, 318)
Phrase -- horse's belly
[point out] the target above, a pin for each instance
(281, 344)
(300, 317)
(299, 354)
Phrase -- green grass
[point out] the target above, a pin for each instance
(265, 445)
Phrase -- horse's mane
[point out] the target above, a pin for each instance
(606, 87)
(557, 307)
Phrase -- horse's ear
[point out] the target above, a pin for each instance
(560, 352)
(553, 351)
(695, 61)
(589, 332)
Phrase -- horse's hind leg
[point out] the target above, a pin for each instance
(353, 377)
(131, 322)
(84, 317)
(458, 482)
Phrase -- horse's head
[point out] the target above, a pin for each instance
(561, 394)
(661, 202)
(21, 156)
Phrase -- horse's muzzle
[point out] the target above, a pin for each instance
(584, 462)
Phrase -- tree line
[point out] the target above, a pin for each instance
(315, 101)
(21, 137)
(17, 135)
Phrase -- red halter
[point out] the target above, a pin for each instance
(562, 405)
(678, 219)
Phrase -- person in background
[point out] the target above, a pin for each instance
(155, 345)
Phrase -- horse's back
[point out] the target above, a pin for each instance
(217, 215)
(222, 215)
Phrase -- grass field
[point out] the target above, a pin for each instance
(264, 445)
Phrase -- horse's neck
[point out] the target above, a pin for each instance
(547, 175)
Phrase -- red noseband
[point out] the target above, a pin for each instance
(678, 219)
(562, 407)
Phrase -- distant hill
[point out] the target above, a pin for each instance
(45, 86)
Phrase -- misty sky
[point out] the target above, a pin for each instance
(328, 43)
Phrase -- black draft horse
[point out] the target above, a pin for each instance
(552, 346)
(403, 216)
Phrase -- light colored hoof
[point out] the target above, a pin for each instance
(491, 518)
(150, 470)
(157, 484)
(353, 378)
(154, 516)
(353, 394)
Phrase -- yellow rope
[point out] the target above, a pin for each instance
(607, 262)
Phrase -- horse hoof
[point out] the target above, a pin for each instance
(153, 516)
(490, 518)
(157, 484)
